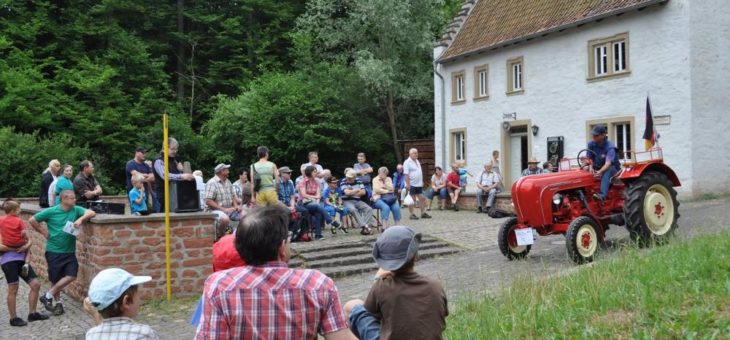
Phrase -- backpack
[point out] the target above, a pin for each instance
(499, 213)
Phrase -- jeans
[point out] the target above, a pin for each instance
(385, 210)
(490, 199)
(606, 180)
(332, 211)
(363, 324)
(316, 210)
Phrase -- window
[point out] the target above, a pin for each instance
(480, 82)
(457, 87)
(458, 145)
(619, 133)
(608, 56)
(515, 78)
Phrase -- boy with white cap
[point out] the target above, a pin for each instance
(401, 303)
(113, 301)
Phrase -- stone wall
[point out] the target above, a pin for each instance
(468, 201)
(137, 244)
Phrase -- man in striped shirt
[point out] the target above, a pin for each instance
(266, 299)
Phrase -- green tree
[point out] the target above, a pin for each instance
(388, 44)
(296, 112)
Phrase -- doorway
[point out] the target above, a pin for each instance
(516, 150)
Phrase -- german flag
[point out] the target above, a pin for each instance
(649, 133)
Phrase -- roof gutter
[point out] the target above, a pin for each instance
(551, 30)
(443, 115)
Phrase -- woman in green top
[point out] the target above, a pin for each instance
(268, 176)
(64, 182)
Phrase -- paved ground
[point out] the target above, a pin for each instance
(479, 269)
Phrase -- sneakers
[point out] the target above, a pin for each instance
(342, 227)
(58, 309)
(414, 217)
(336, 225)
(24, 270)
(598, 197)
(479, 210)
(425, 215)
(319, 238)
(17, 322)
(47, 303)
(37, 317)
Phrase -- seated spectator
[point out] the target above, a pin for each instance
(233, 298)
(385, 198)
(547, 167)
(488, 184)
(363, 170)
(47, 177)
(532, 168)
(313, 158)
(137, 196)
(221, 198)
(114, 300)
(399, 183)
(401, 303)
(332, 201)
(353, 192)
(14, 252)
(452, 184)
(243, 188)
(309, 196)
(438, 184)
(288, 198)
(200, 187)
(63, 183)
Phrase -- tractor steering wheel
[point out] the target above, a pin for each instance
(584, 161)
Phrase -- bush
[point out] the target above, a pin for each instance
(24, 157)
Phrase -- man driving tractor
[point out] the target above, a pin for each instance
(605, 163)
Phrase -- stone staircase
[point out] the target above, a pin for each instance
(355, 257)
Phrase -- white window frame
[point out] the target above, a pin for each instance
(615, 124)
(458, 145)
(481, 82)
(608, 57)
(515, 75)
(458, 87)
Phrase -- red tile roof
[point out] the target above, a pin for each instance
(494, 23)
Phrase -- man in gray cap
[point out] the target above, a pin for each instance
(401, 304)
(220, 197)
(604, 160)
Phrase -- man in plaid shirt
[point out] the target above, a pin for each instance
(266, 299)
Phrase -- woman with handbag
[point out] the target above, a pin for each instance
(310, 192)
(384, 197)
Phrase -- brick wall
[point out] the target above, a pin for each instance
(137, 244)
(469, 201)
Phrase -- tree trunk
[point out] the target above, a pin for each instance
(391, 121)
(180, 53)
(192, 79)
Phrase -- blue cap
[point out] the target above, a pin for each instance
(110, 284)
(599, 130)
(395, 247)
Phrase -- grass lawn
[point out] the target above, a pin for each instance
(681, 290)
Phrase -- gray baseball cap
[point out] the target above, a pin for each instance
(395, 247)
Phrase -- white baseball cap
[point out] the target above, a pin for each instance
(110, 284)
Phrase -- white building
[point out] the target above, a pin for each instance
(518, 72)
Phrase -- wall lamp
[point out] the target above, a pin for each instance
(505, 126)
(535, 130)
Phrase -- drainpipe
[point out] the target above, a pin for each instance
(443, 117)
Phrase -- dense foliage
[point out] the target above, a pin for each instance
(95, 77)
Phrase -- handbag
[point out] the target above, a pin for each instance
(256, 179)
(408, 201)
(389, 198)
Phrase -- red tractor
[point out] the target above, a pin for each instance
(641, 197)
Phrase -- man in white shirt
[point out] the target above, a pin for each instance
(488, 184)
(414, 183)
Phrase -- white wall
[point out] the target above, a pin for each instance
(560, 100)
(710, 65)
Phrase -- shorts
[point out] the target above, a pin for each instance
(60, 265)
(12, 272)
(416, 191)
(267, 198)
(363, 324)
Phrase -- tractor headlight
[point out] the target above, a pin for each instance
(557, 199)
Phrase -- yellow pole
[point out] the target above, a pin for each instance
(167, 208)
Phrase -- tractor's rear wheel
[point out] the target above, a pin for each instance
(651, 208)
(583, 239)
(507, 240)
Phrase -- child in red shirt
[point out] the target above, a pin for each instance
(12, 228)
(453, 185)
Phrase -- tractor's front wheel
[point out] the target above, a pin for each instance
(583, 239)
(651, 208)
(507, 240)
